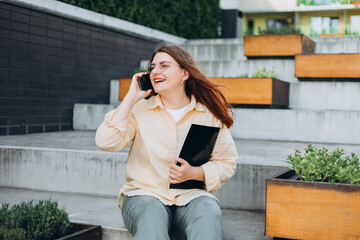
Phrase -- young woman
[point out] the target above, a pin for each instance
(157, 128)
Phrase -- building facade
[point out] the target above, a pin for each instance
(314, 18)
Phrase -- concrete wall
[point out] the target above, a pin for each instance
(341, 96)
(62, 170)
(103, 173)
(90, 116)
(297, 125)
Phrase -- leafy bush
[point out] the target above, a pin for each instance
(28, 221)
(245, 75)
(289, 29)
(323, 166)
(263, 73)
(184, 18)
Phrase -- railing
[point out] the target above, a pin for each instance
(326, 2)
(308, 31)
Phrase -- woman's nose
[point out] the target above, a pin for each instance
(156, 70)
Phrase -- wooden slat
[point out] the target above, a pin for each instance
(124, 85)
(327, 66)
(273, 45)
(246, 90)
(302, 210)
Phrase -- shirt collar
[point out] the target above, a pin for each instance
(155, 102)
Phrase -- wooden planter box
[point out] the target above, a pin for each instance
(277, 45)
(83, 232)
(311, 210)
(124, 85)
(255, 91)
(242, 91)
(327, 66)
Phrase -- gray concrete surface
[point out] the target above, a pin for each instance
(90, 116)
(271, 124)
(103, 211)
(69, 161)
(340, 96)
(298, 125)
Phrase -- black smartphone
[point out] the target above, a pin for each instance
(144, 82)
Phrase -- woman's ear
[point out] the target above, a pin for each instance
(186, 75)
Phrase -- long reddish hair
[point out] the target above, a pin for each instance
(204, 91)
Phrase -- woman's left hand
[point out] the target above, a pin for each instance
(178, 174)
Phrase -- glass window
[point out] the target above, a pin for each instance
(276, 23)
(355, 24)
(324, 25)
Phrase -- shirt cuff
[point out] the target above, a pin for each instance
(212, 178)
(121, 126)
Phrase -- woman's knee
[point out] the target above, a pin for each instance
(208, 207)
(145, 212)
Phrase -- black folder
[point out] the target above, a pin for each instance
(196, 150)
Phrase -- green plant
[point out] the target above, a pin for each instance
(289, 29)
(263, 73)
(324, 166)
(140, 69)
(245, 75)
(184, 18)
(29, 221)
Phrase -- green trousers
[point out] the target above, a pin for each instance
(147, 218)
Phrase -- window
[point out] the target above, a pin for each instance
(355, 25)
(276, 23)
(250, 27)
(324, 25)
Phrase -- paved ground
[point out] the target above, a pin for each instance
(250, 151)
(103, 211)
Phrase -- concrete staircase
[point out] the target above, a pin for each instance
(84, 177)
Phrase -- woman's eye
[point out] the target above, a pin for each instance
(164, 66)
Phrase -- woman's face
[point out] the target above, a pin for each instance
(166, 74)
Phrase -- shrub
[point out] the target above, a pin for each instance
(289, 29)
(263, 73)
(324, 166)
(29, 221)
(184, 18)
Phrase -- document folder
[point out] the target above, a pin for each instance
(196, 150)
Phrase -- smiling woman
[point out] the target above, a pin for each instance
(181, 97)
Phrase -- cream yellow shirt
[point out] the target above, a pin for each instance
(157, 141)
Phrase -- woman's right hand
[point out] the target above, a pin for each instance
(134, 91)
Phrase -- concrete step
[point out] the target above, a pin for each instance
(233, 49)
(343, 96)
(103, 211)
(270, 124)
(216, 49)
(284, 69)
(70, 162)
(348, 44)
(225, 58)
(297, 125)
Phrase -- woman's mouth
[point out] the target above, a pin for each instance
(158, 80)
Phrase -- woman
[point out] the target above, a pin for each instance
(182, 96)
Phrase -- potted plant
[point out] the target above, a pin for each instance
(318, 199)
(263, 88)
(283, 42)
(42, 220)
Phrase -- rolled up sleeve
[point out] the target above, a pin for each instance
(112, 136)
(222, 165)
